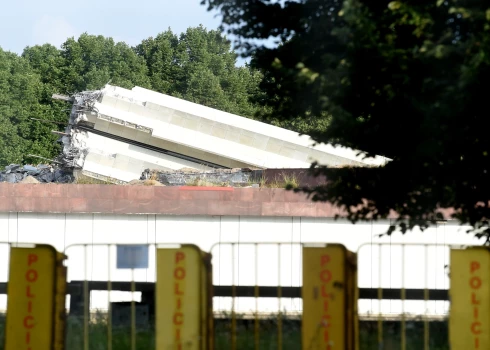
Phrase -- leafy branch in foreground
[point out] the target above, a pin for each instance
(403, 79)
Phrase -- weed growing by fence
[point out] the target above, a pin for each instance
(291, 326)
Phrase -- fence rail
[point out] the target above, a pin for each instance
(76, 287)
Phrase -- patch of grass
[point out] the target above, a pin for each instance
(287, 181)
(98, 337)
(262, 181)
(245, 336)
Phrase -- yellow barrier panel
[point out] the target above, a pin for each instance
(469, 320)
(329, 293)
(323, 297)
(31, 298)
(180, 314)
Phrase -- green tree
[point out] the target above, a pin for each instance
(21, 92)
(92, 61)
(159, 55)
(200, 66)
(84, 64)
(403, 79)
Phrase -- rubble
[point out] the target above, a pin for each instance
(185, 176)
(145, 183)
(29, 180)
(15, 173)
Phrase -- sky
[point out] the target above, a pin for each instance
(33, 22)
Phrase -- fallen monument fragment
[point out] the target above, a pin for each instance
(115, 134)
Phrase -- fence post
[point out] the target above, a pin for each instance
(60, 303)
(329, 293)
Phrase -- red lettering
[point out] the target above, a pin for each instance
(179, 346)
(29, 306)
(473, 299)
(326, 337)
(177, 334)
(31, 275)
(475, 328)
(475, 265)
(179, 273)
(31, 259)
(178, 318)
(179, 256)
(28, 337)
(177, 290)
(28, 292)
(326, 276)
(325, 259)
(28, 324)
(475, 282)
(179, 303)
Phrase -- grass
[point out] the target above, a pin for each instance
(288, 181)
(145, 337)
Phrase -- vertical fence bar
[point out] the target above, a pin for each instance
(256, 292)
(86, 302)
(426, 299)
(233, 297)
(109, 308)
(380, 297)
(133, 313)
(279, 296)
(403, 335)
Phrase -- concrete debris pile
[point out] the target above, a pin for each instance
(187, 176)
(15, 173)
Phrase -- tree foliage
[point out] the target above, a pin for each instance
(403, 79)
(199, 66)
(21, 97)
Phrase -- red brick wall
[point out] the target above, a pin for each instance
(114, 199)
(63, 198)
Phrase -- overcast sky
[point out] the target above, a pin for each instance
(31, 22)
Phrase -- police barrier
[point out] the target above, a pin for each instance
(407, 305)
(287, 255)
(184, 301)
(329, 298)
(176, 296)
(36, 298)
(469, 323)
(257, 270)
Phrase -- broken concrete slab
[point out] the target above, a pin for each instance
(29, 180)
(117, 133)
